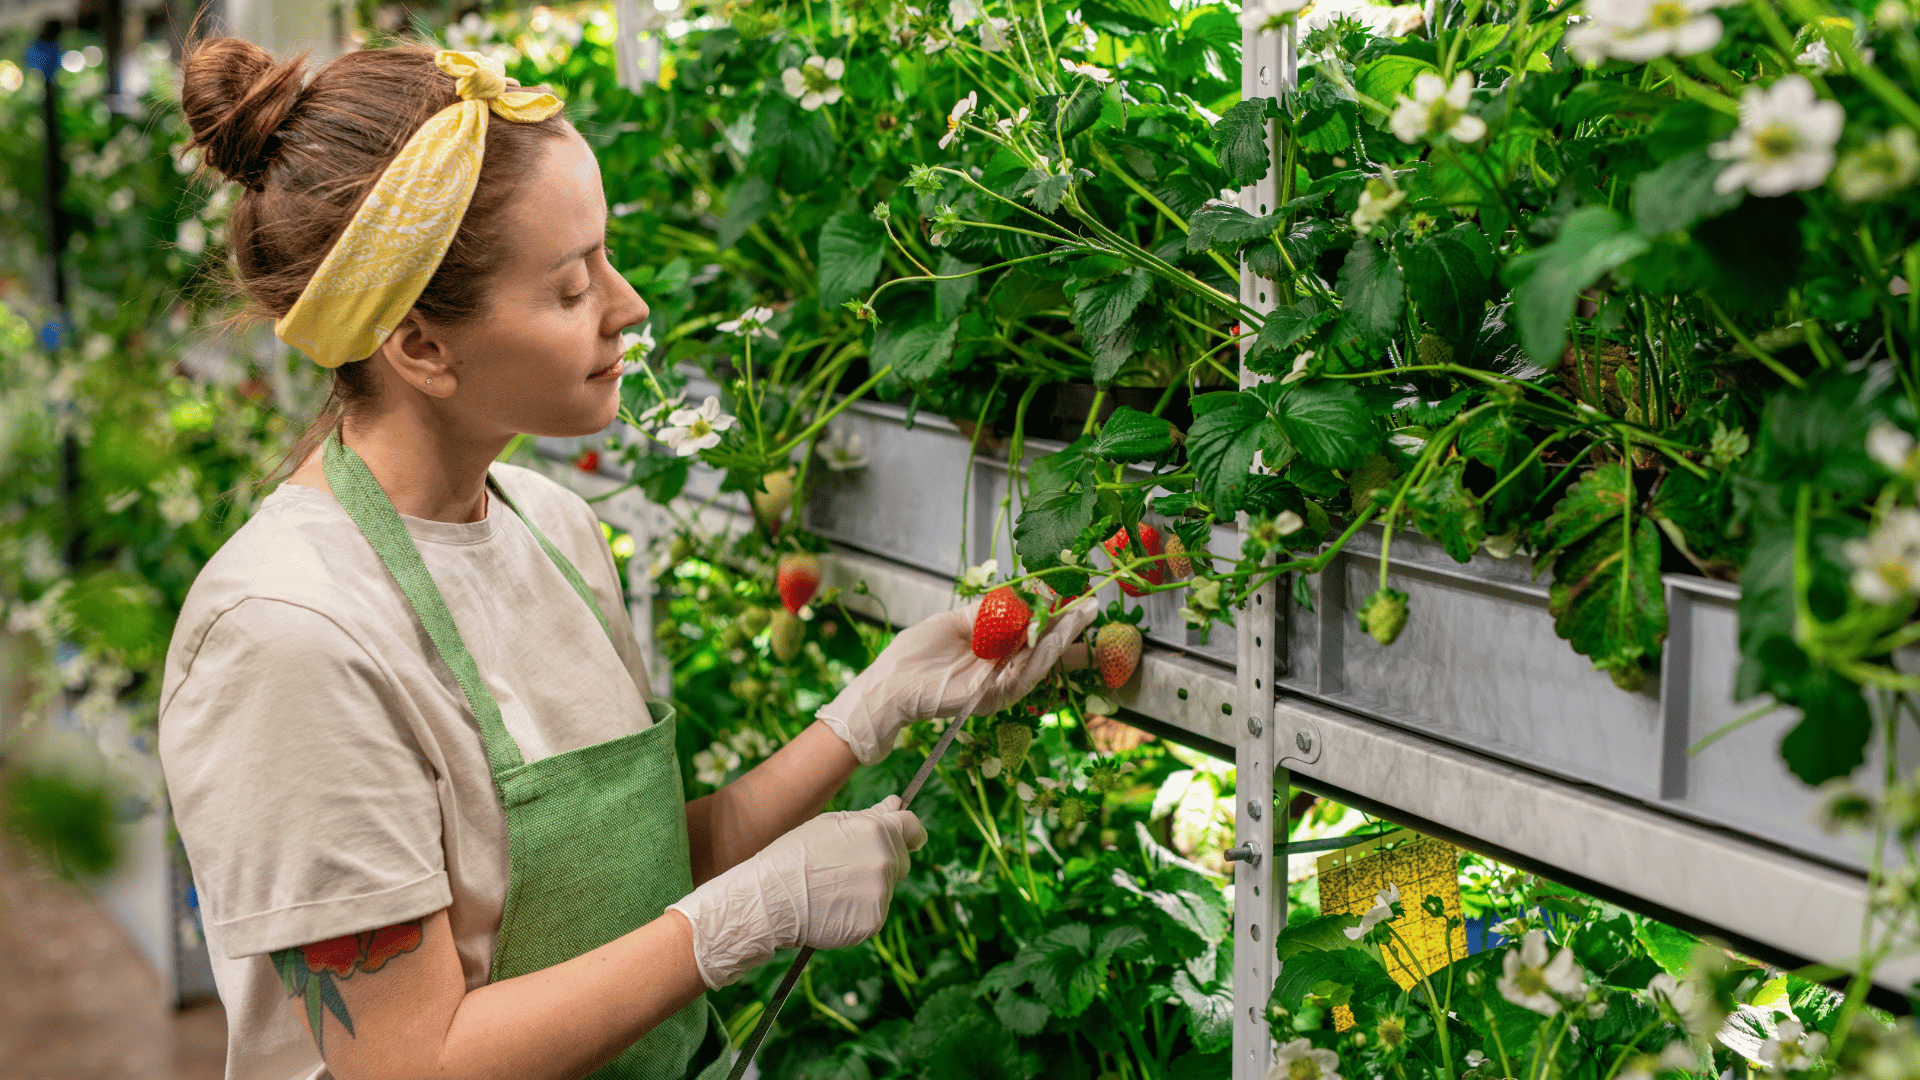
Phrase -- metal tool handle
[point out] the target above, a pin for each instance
(792, 977)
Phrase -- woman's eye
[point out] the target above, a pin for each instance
(574, 300)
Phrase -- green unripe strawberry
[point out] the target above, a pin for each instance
(733, 637)
(1013, 738)
(755, 619)
(788, 633)
(1072, 812)
(1384, 615)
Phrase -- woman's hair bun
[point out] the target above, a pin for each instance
(236, 98)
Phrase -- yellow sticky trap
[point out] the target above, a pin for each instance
(1421, 866)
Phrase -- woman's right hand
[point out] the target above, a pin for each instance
(825, 884)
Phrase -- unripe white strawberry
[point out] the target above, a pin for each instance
(1116, 651)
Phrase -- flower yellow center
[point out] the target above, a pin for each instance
(1303, 1068)
(1667, 16)
(699, 428)
(1776, 140)
(1530, 980)
(1392, 1031)
(1894, 573)
(816, 78)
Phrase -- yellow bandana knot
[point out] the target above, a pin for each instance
(390, 250)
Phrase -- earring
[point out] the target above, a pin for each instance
(429, 382)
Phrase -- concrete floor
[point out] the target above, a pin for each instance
(79, 1002)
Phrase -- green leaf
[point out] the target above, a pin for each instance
(1327, 973)
(1371, 291)
(1284, 328)
(1606, 598)
(917, 349)
(1218, 225)
(1329, 423)
(1102, 314)
(1445, 279)
(1390, 76)
(1326, 131)
(1113, 109)
(747, 204)
(1240, 140)
(661, 478)
(1830, 741)
(1593, 241)
(1050, 523)
(1318, 934)
(1157, 12)
(792, 148)
(851, 247)
(1595, 99)
(1045, 190)
(950, 297)
(1130, 435)
(1678, 194)
(1446, 511)
(1209, 1012)
(1482, 40)
(1221, 446)
(1670, 948)
(1022, 1015)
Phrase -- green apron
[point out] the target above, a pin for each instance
(596, 837)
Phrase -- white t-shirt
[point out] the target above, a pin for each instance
(326, 773)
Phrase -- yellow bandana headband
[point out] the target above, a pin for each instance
(373, 275)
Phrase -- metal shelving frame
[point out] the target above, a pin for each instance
(1479, 726)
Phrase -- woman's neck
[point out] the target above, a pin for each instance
(425, 474)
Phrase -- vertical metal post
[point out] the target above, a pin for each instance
(1259, 885)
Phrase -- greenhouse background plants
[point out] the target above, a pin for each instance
(1497, 420)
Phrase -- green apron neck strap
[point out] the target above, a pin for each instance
(370, 508)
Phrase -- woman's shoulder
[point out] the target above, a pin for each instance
(298, 550)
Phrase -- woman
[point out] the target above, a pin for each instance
(436, 826)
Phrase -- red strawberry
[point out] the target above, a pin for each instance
(1000, 626)
(1116, 649)
(1118, 548)
(798, 578)
(588, 462)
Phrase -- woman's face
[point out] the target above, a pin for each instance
(545, 357)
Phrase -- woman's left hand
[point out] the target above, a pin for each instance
(929, 670)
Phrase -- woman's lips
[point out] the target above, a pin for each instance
(612, 369)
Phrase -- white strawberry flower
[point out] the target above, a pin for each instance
(958, 113)
(990, 767)
(1090, 71)
(977, 577)
(1890, 446)
(1887, 563)
(937, 39)
(842, 450)
(1532, 981)
(1882, 166)
(1270, 16)
(815, 82)
(1792, 1047)
(993, 34)
(1301, 1060)
(751, 323)
(1068, 558)
(690, 431)
(1377, 202)
(751, 743)
(1475, 1059)
(1436, 108)
(965, 737)
(1006, 126)
(1382, 909)
(1025, 792)
(711, 766)
(1099, 706)
(642, 341)
(1088, 36)
(1299, 368)
(1677, 995)
(1640, 30)
(962, 12)
(1784, 142)
(1286, 523)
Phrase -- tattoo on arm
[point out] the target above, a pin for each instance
(310, 972)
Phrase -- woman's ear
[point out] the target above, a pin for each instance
(417, 351)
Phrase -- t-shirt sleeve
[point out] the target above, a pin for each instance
(305, 805)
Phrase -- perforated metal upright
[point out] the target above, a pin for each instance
(1259, 885)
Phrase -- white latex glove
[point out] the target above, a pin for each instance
(826, 884)
(929, 670)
